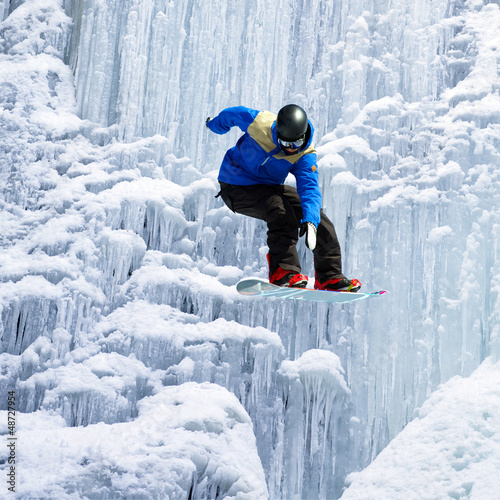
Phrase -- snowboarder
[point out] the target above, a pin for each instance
(252, 177)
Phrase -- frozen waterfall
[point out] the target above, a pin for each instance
(137, 370)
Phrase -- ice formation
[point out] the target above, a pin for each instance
(191, 438)
(120, 326)
(440, 465)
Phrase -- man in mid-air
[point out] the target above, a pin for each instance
(252, 177)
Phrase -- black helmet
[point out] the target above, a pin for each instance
(291, 123)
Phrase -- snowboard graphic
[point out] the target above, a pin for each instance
(262, 288)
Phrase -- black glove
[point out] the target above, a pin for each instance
(309, 229)
(206, 123)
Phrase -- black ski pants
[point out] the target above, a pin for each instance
(279, 206)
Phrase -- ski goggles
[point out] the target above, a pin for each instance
(292, 144)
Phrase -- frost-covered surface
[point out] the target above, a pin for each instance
(315, 393)
(118, 265)
(194, 438)
(451, 450)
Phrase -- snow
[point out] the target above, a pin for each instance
(193, 437)
(138, 370)
(450, 450)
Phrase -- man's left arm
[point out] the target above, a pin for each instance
(306, 174)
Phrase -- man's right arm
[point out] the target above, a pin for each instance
(238, 116)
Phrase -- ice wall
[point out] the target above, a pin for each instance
(80, 213)
(118, 262)
(163, 67)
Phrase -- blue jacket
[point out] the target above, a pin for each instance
(257, 158)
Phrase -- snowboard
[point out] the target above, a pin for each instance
(262, 288)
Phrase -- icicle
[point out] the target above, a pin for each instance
(315, 395)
